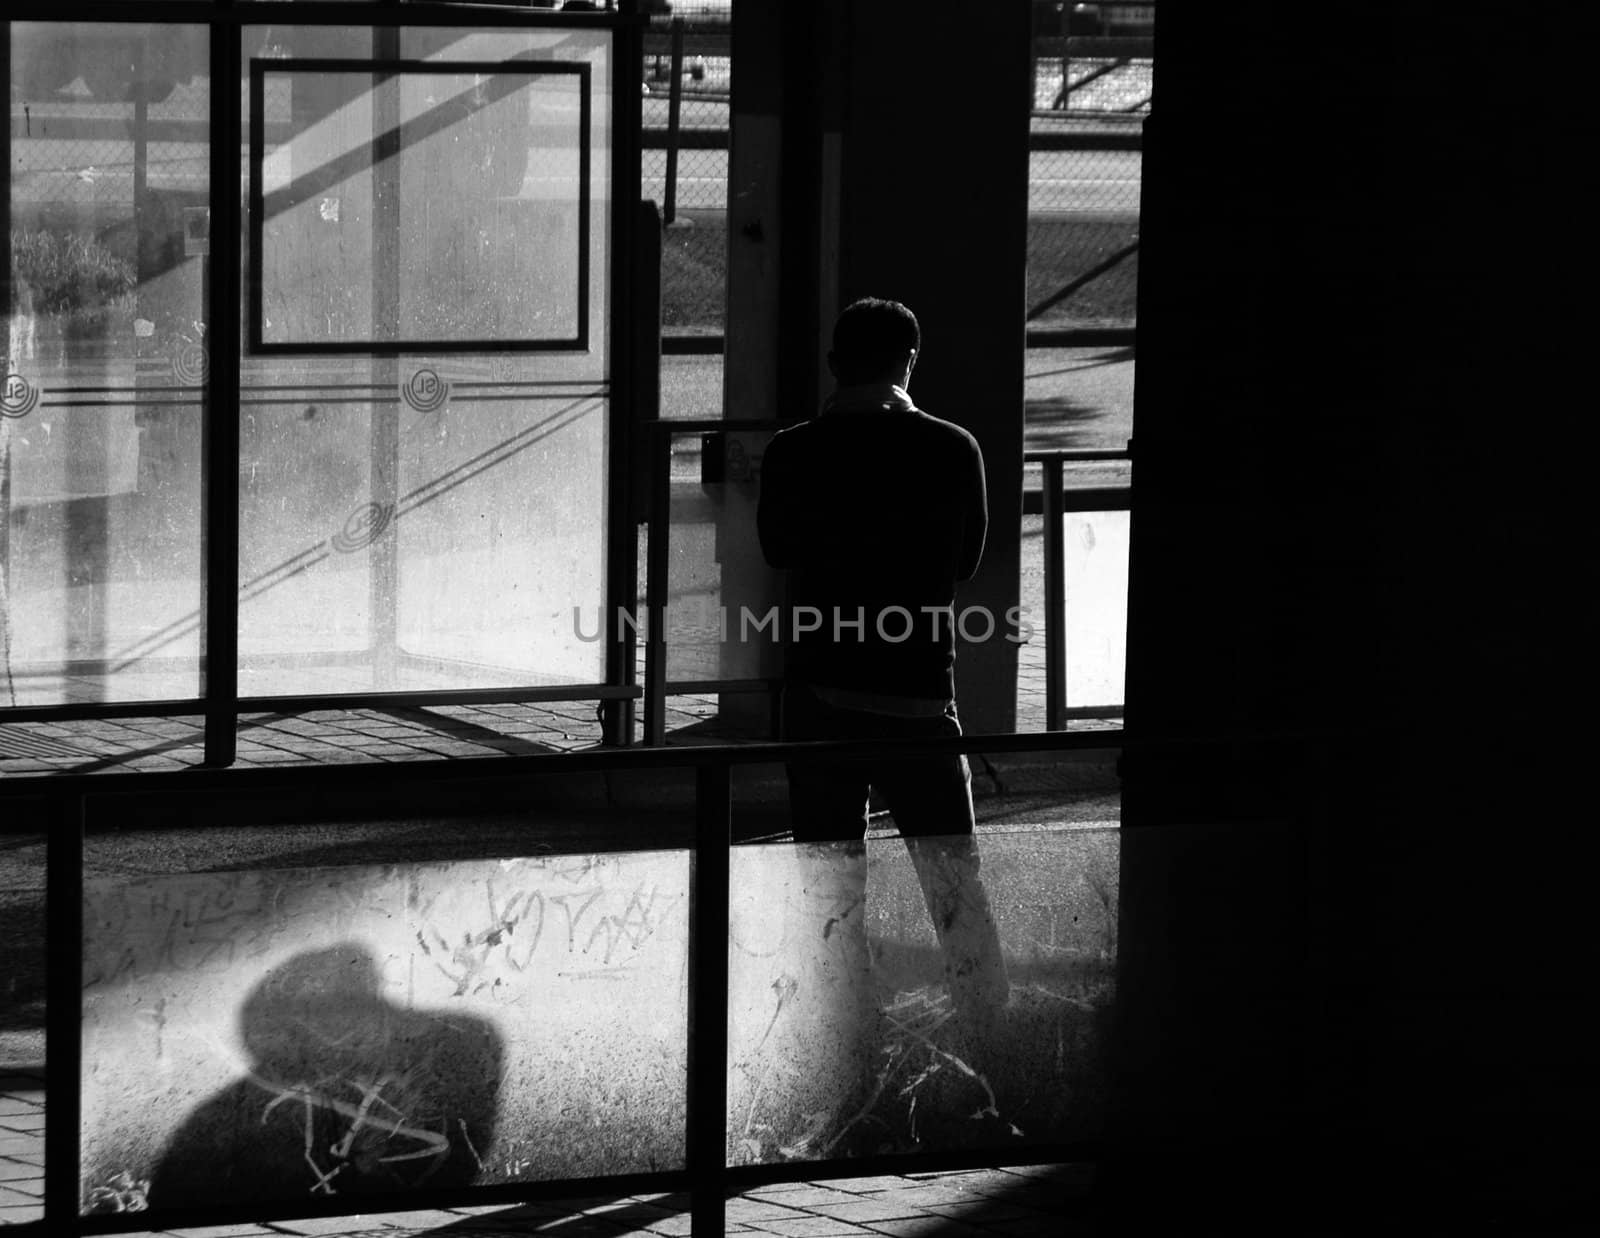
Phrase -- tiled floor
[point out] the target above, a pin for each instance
(1016, 1202)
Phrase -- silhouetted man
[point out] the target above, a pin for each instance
(877, 510)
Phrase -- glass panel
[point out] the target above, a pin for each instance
(430, 520)
(694, 198)
(720, 623)
(847, 1038)
(415, 1000)
(1095, 551)
(22, 1006)
(106, 353)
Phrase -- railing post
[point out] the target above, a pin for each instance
(708, 999)
(674, 108)
(219, 635)
(655, 584)
(1055, 601)
(63, 1008)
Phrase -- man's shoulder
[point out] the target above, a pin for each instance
(945, 429)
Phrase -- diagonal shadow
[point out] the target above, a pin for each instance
(306, 559)
(1057, 422)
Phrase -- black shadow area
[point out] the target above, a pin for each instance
(345, 1094)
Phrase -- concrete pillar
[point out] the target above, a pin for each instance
(933, 212)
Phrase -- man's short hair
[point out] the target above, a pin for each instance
(871, 336)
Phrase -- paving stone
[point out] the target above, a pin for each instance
(866, 1210)
(743, 1209)
(23, 1121)
(221, 1231)
(19, 1214)
(802, 1194)
(861, 1186)
(810, 1227)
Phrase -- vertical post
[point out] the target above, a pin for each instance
(635, 379)
(63, 1010)
(674, 108)
(708, 999)
(1055, 601)
(384, 463)
(10, 303)
(219, 475)
(655, 586)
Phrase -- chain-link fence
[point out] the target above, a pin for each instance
(1093, 77)
(685, 164)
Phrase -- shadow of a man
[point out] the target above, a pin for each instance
(345, 1093)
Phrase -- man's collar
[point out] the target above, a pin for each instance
(869, 398)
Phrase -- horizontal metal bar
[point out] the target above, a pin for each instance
(1075, 456)
(445, 696)
(88, 710)
(1130, 139)
(1038, 337)
(691, 345)
(1085, 499)
(655, 138)
(331, 13)
(329, 778)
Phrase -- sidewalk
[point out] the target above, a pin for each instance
(1020, 1202)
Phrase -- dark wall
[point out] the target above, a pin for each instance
(1349, 917)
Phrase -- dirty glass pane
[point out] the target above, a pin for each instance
(1095, 567)
(857, 1028)
(434, 519)
(426, 205)
(394, 998)
(718, 618)
(22, 1003)
(100, 429)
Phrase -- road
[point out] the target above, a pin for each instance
(1059, 182)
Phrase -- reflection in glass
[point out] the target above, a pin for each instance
(106, 355)
(281, 1035)
(431, 520)
(893, 998)
(424, 205)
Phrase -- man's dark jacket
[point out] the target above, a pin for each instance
(868, 510)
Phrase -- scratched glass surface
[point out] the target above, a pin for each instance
(430, 204)
(339, 1031)
(100, 574)
(720, 594)
(23, 972)
(427, 520)
(857, 1029)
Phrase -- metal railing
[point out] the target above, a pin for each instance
(64, 808)
(1057, 501)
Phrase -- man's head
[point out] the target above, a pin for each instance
(874, 341)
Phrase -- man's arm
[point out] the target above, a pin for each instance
(975, 515)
